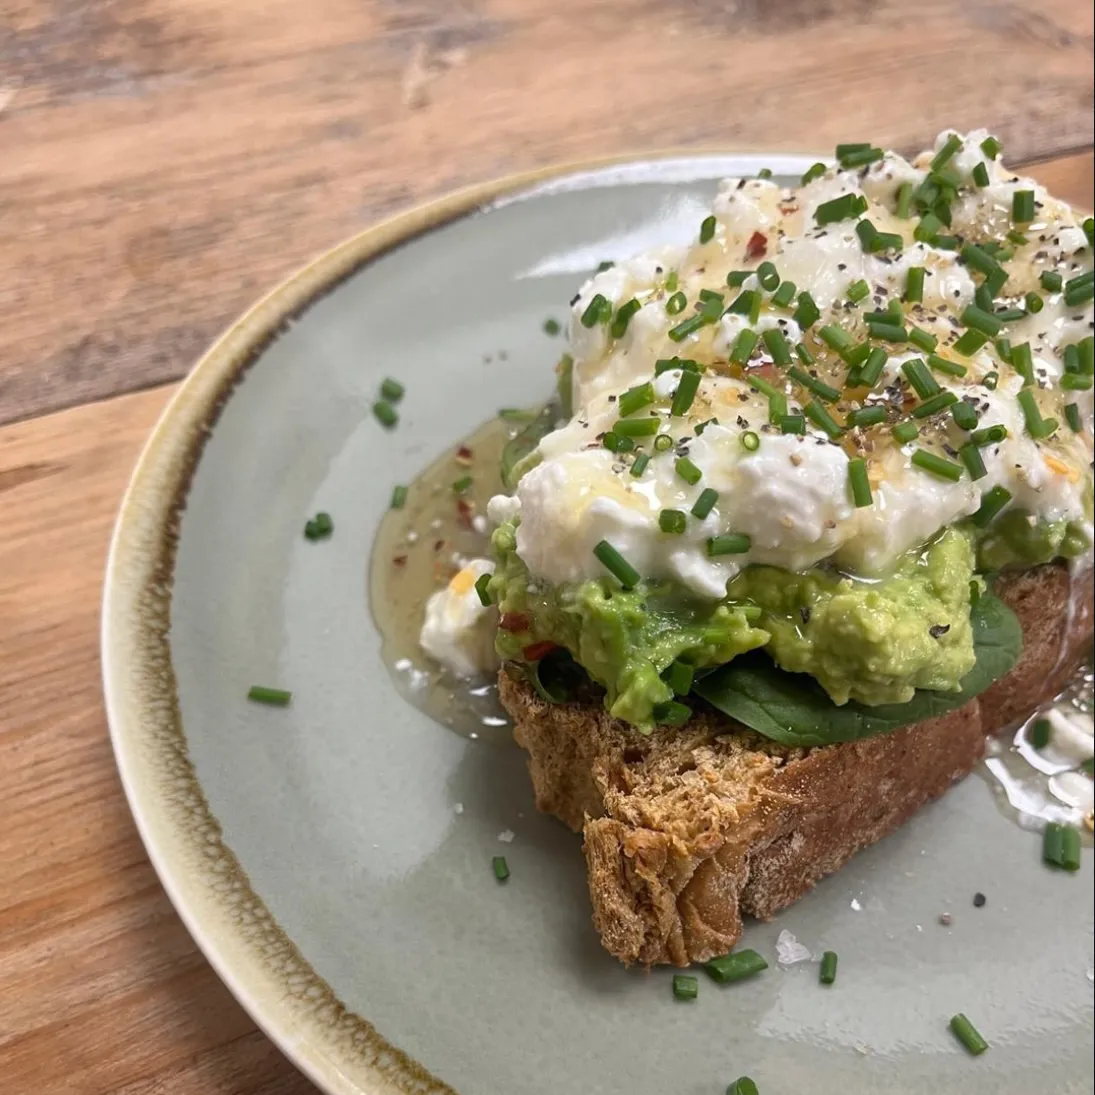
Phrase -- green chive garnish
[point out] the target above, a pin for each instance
(669, 364)
(768, 276)
(990, 435)
(866, 416)
(991, 147)
(807, 313)
(634, 399)
(860, 157)
(936, 465)
(1061, 846)
(500, 868)
(818, 387)
(750, 441)
(595, 311)
(836, 338)
(319, 527)
(934, 405)
(777, 346)
(637, 427)
(1022, 206)
(617, 565)
(1079, 294)
(888, 332)
(705, 503)
(1051, 281)
(827, 974)
(689, 327)
(399, 497)
(821, 418)
(783, 296)
(968, 1035)
(391, 390)
(685, 987)
(927, 228)
(840, 209)
(965, 417)
(904, 432)
(980, 175)
(707, 229)
(673, 306)
(922, 340)
(730, 543)
(745, 303)
(970, 455)
(1072, 417)
(792, 423)
(737, 278)
(914, 285)
(920, 380)
(744, 345)
(903, 208)
(1013, 315)
(623, 317)
(857, 480)
(858, 290)
(462, 485)
(638, 466)
(742, 1086)
(952, 144)
(970, 343)
(687, 387)
(1040, 731)
(814, 171)
(735, 967)
(1089, 230)
(992, 502)
(672, 521)
(688, 471)
(611, 441)
(663, 443)
(1022, 361)
(982, 321)
(385, 414)
(604, 264)
(481, 584)
(273, 697)
(872, 368)
(977, 258)
(802, 352)
(1037, 426)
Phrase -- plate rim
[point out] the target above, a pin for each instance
(312, 1028)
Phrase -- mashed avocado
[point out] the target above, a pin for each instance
(874, 642)
(1017, 538)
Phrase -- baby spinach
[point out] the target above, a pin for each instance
(793, 709)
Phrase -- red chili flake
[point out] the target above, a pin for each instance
(768, 372)
(535, 651)
(400, 561)
(514, 621)
(465, 512)
(464, 455)
(757, 246)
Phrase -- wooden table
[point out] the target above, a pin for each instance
(164, 161)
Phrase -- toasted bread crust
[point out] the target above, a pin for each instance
(686, 830)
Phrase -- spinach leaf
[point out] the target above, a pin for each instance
(793, 709)
(525, 442)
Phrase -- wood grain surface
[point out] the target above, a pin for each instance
(162, 162)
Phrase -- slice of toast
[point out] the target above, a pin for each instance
(687, 829)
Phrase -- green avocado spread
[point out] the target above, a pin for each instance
(872, 641)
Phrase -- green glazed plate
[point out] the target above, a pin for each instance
(316, 853)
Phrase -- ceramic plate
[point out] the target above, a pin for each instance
(332, 858)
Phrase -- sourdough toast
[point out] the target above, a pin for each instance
(688, 829)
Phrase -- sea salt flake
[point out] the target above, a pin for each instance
(789, 950)
(506, 836)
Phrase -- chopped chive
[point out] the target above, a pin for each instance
(840, 209)
(319, 527)
(705, 503)
(399, 497)
(669, 364)
(888, 332)
(866, 416)
(1061, 846)
(821, 418)
(623, 317)
(750, 441)
(818, 387)
(1079, 294)
(1037, 426)
(1013, 315)
(858, 290)
(777, 346)
(936, 465)
(500, 867)
(783, 296)
(860, 157)
(462, 485)
(903, 208)
(687, 387)
(768, 276)
(1017, 238)
(1086, 352)
(595, 310)
(860, 484)
(273, 697)
(934, 405)
(1022, 206)
(672, 280)
(866, 232)
(730, 543)
(663, 442)
(979, 320)
(991, 147)
(967, 1033)
(1071, 382)
(1022, 361)
(827, 973)
(980, 175)
(1072, 417)
(617, 565)
(1051, 281)
(744, 303)
(735, 967)
(872, 368)
(481, 584)
(763, 386)
(920, 380)
(737, 278)
(836, 338)
(922, 340)
(904, 432)
(856, 356)
(688, 471)
(638, 465)
(634, 399)
(1072, 358)
(914, 285)
(385, 414)
(996, 281)
(802, 352)
(604, 264)
(952, 144)
(673, 306)
(1089, 230)
(777, 407)
(807, 313)
(983, 298)
(814, 171)
(989, 435)
(689, 327)
(927, 228)
(742, 1086)
(992, 502)
(1003, 348)
(970, 455)
(391, 390)
(970, 343)
(611, 441)
(707, 229)
(685, 987)
(637, 427)
(792, 423)
(977, 258)
(1040, 731)
(672, 521)
(964, 415)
